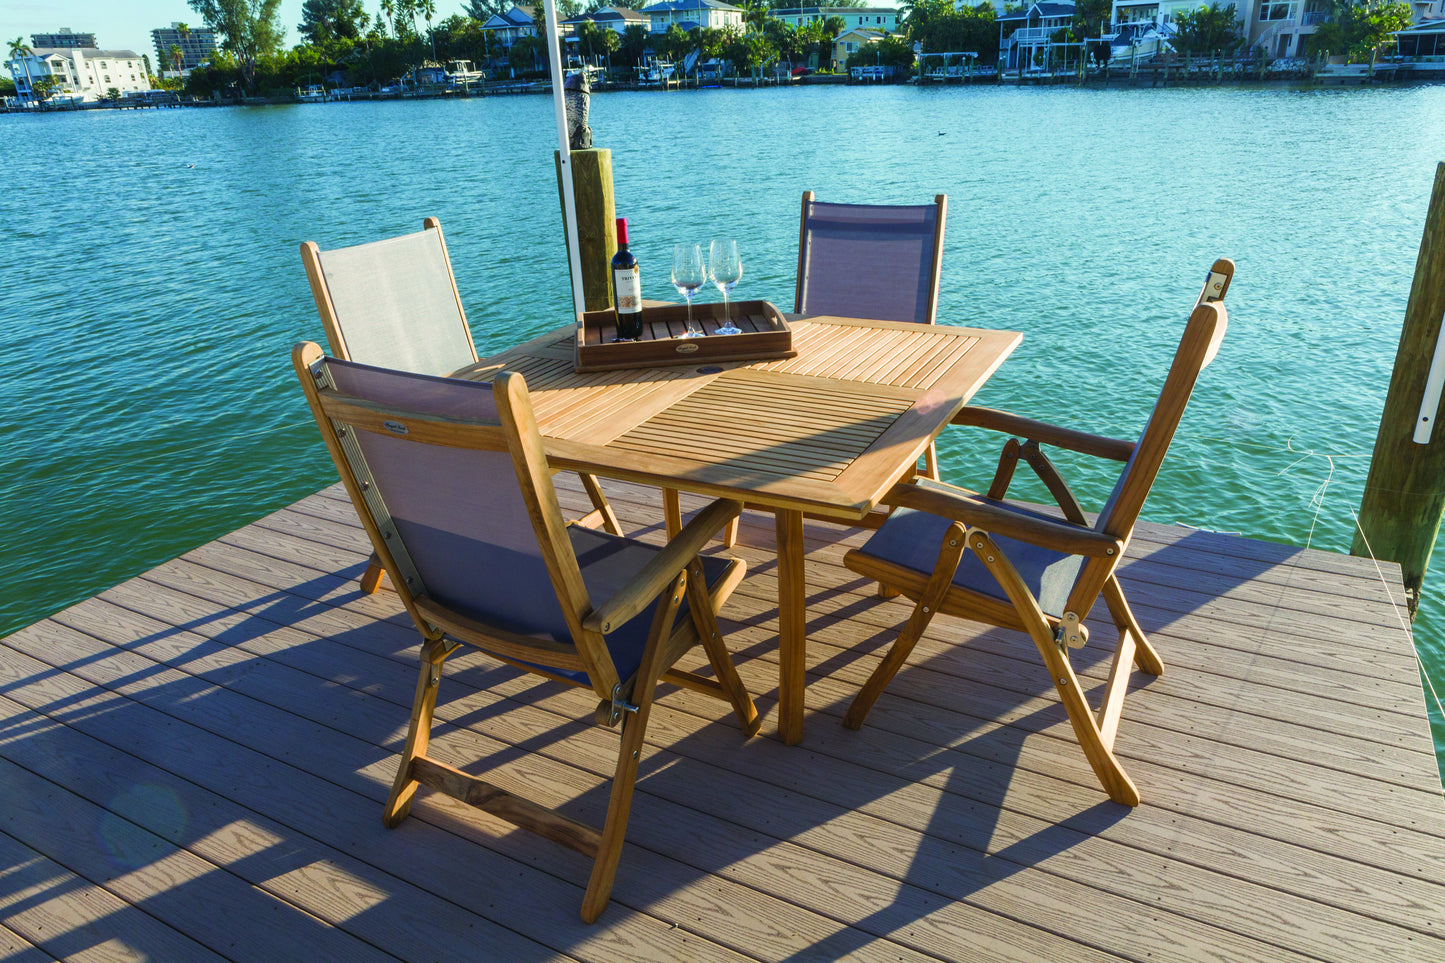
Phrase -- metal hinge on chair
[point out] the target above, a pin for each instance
(1072, 632)
(619, 706)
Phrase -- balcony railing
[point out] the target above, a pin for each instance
(1315, 17)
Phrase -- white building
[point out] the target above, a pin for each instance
(197, 45)
(885, 18)
(1282, 28)
(689, 14)
(83, 73)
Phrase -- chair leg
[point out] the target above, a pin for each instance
(600, 503)
(418, 735)
(1145, 655)
(1097, 749)
(699, 604)
(952, 550)
(371, 578)
(634, 727)
(730, 533)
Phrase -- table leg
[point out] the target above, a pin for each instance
(792, 661)
(671, 512)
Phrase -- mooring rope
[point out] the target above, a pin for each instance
(1404, 623)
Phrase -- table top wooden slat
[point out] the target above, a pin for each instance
(828, 430)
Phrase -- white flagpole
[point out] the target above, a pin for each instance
(569, 196)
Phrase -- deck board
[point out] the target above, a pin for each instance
(1292, 805)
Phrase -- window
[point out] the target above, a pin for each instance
(1276, 10)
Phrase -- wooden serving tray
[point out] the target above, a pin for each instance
(765, 335)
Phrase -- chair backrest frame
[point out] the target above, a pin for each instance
(515, 432)
(935, 259)
(1197, 347)
(315, 261)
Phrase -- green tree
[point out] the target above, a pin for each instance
(7, 87)
(428, 9)
(484, 10)
(750, 51)
(22, 51)
(889, 52)
(249, 30)
(323, 21)
(676, 44)
(972, 29)
(175, 54)
(388, 10)
(784, 38)
(46, 87)
(1206, 29)
(610, 43)
(112, 94)
(635, 39)
(1358, 28)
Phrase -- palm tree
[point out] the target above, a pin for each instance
(388, 7)
(175, 54)
(22, 51)
(428, 9)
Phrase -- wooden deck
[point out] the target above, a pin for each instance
(194, 765)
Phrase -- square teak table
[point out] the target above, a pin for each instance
(828, 432)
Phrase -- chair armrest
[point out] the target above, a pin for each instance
(658, 573)
(999, 519)
(1029, 429)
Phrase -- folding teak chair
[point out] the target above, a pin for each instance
(983, 558)
(872, 261)
(394, 303)
(452, 485)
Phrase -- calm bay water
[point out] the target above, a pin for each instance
(151, 286)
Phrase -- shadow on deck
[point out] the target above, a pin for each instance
(195, 761)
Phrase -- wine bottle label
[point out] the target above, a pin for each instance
(628, 287)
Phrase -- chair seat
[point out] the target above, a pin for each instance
(912, 538)
(607, 562)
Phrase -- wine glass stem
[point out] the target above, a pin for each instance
(727, 318)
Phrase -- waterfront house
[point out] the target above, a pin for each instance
(518, 22)
(884, 17)
(617, 19)
(82, 73)
(852, 40)
(688, 14)
(1026, 35)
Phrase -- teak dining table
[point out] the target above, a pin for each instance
(827, 432)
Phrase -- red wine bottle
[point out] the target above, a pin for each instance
(626, 288)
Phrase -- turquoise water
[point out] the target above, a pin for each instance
(152, 288)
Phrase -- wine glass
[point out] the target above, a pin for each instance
(689, 274)
(726, 270)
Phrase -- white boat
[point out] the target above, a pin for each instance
(314, 94)
(656, 74)
(461, 74)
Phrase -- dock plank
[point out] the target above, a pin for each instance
(1292, 802)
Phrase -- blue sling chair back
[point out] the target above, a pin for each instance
(872, 261)
(980, 557)
(394, 302)
(452, 485)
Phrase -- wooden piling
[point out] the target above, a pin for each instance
(596, 221)
(1405, 491)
